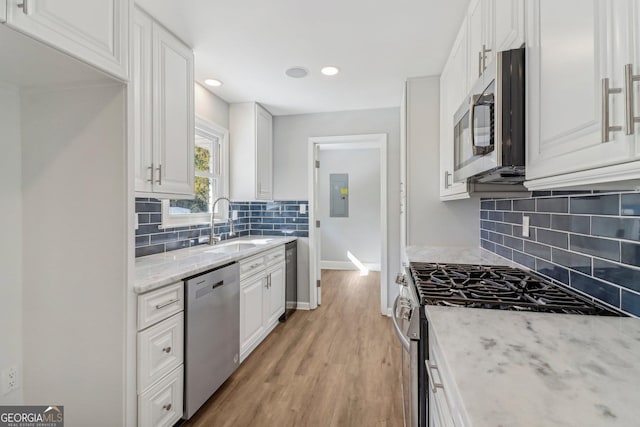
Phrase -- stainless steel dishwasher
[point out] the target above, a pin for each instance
(212, 333)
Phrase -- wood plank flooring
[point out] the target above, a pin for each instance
(338, 365)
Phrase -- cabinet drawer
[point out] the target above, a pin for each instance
(274, 256)
(161, 405)
(252, 265)
(160, 304)
(160, 350)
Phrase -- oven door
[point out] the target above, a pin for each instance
(406, 324)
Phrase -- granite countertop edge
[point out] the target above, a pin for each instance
(159, 270)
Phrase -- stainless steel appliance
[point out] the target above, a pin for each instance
(291, 280)
(474, 286)
(212, 331)
(489, 132)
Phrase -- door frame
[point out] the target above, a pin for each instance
(378, 141)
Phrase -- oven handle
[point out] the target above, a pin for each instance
(476, 150)
(403, 339)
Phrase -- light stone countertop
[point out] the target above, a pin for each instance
(156, 271)
(457, 255)
(540, 369)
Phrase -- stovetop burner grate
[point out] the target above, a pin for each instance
(498, 287)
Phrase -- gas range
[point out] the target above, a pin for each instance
(496, 287)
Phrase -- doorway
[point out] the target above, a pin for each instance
(355, 254)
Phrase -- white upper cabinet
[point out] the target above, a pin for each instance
(452, 93)
(478, 45)
(251, 133)
(174, 118)
(95, 32)
(264, 153)
(575, 91)
(163, 111)
(508, 24)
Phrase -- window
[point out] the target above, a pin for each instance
(211, 180)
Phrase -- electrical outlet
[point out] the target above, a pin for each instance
(10, 379)
(525, 226)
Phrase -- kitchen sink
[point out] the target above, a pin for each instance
(231, 247)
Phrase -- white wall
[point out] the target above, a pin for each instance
(359, 233)
(75, 181)
(211, 107)
(290, 143)
(430, 221)
(11, 241)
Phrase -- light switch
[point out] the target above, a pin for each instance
(303, 209)
(137, 221)
(234, 215)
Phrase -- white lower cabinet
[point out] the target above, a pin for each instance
(162, 404)
(262, 299)
(444, 407)
(160, 356)
(251, 312)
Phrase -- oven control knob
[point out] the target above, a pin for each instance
(400, 279)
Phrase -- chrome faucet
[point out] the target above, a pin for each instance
(213, 239)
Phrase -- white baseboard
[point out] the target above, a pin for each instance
(347, 265)
(303, 306)
(389, 312)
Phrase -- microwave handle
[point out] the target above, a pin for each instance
(477, 150)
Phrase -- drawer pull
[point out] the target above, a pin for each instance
(167, 407)
(167, 350)
(166, 304)
(256, 265)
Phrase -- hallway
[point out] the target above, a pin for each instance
(336, 366)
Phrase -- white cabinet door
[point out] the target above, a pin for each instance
(453, 91)
(264, 154)
(142, 87)
(160, 350)
(508, 19)
(626, 24)
(568, 56)
(174, 120)
(162, 404)
(95, 32)
(251, 312)
(475, 40)
(275, 297)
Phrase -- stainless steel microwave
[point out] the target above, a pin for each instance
(489, 130)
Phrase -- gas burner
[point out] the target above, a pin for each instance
(496, 287)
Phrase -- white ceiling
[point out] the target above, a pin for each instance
(248, 44)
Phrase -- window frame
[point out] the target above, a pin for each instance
(206, 128)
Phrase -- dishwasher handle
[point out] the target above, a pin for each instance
(206, 290)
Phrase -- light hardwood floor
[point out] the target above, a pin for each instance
(338, 365)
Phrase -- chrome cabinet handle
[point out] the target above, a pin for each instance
(254, 266)
(629, 80)
(447, 174)
(484, 56)
(159, 168)
(167, 350)
(434, 385)
(167, 407)
(24, 6)
(479, 64)
(606, 127)
(150, 173)
(168, 303)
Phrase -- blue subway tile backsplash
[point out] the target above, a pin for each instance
(278, 218)
(587, 240)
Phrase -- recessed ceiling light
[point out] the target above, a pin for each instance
(330, 70)
(213, 82)
(297, 72)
